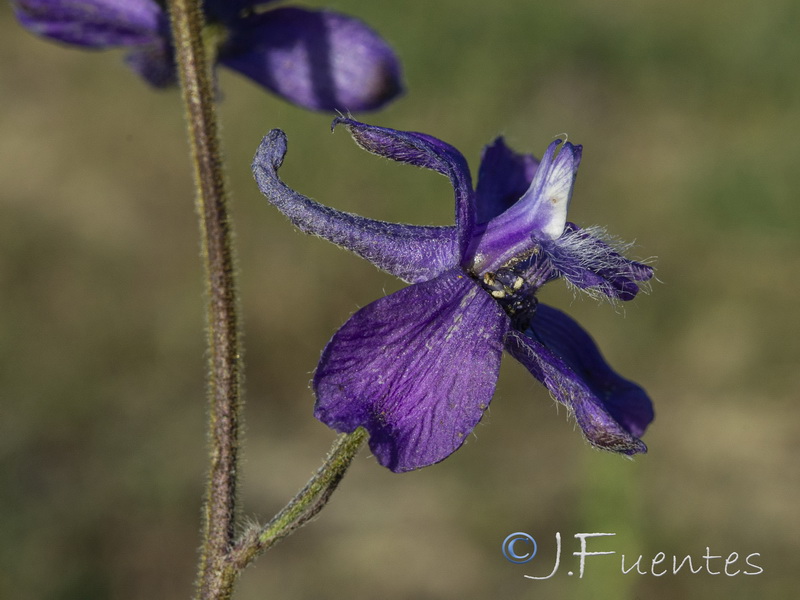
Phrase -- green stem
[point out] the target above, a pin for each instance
(304, 506)
(299, 511)
(223, 329)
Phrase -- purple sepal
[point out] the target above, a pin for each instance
(612, 411)
(417, 369)
(412, 253)
(504, 176)
(422, 150)
(317, 59)
(93, 23)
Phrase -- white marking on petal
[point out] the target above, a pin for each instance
(557, 191)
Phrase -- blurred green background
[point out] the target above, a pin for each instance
(689, 115)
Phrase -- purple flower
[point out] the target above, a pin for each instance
(418, 368)
(316, 59)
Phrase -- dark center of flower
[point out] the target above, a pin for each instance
(514, 285)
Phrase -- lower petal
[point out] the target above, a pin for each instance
(417, 369)
(611, 410)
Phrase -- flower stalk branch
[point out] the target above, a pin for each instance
(223, 329)
(304, 506)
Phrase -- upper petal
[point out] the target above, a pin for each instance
(611, 410)
(503, 178)
(417, 369)
(540, 214)
(93, 23)
(422, 150)
(412, 253)
(544, 205)
(317, 59)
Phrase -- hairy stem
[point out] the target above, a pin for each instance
(223, 330)
(299, 511)
(304, 506)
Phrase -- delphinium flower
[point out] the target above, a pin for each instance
(317, 59)
(418, 367)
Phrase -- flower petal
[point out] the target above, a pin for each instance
(584, 259)
(316, 59)
(503, 178)
(422, 150)
(410, 252)
(540, 214)
(546, 202)
(612, 411)
(93, 23)
(417, 369)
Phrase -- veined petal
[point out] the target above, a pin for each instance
(93, 23)
(503, 178)
(612, 411)
(417, 369)
(412, 253)
(422, 150)
(316, 59)
(540, 214)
